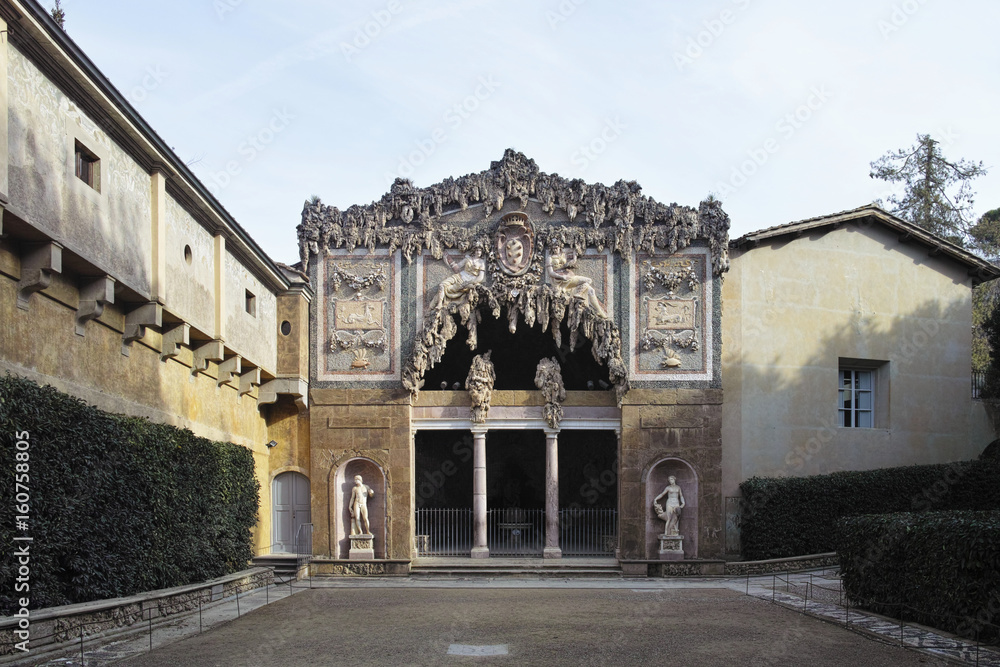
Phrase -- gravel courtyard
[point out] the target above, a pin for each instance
(533, 626)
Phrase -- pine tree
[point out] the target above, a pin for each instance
(58, 15)
(937, 194)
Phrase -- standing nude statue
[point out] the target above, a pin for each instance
(359, 507)
(672, 512)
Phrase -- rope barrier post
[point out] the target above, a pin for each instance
(237, 600)
(200, 598)
(748, 581)
(150, 629)
(82, 662)
(774, 583)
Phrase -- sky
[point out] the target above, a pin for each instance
(776, 107)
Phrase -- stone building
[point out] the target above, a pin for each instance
(512, 362)
(123, 281)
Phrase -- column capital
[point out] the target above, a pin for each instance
(477, 430)
(551, 432)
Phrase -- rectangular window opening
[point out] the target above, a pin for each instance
(88, 167)
(863, 394)
(251, 303)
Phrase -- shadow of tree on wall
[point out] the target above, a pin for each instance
(789, 423)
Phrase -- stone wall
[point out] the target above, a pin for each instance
(370, 425)
(670, 424)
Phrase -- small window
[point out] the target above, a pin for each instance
(88, 167)
(251, 303)
(286, 328)
(857, 398)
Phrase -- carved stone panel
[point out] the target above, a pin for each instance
(671, 332)
(357, 319)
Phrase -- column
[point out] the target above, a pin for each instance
(479, 548)
(552, 549)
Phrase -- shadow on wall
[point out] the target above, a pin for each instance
(790, 423)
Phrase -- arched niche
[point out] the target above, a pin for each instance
(340, 495)
(656, 481)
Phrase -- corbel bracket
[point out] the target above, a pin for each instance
(173, 339)
(146, 315)
(213, 350)
(229, 369)
(95, 293)
(38, 263)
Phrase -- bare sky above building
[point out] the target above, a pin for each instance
(776, 107)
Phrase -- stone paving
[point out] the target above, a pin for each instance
(813, 594)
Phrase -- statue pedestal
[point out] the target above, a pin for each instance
(362, 547)
(671, 547)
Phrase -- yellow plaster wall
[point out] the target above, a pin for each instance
(791, 309)
(41, 344)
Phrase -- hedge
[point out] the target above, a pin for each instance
(936, 568)
(795, 516)
(118, 505)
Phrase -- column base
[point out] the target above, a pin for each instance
(552, 552)
(480, 552)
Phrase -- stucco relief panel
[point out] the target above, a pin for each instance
(358, 322)
(671, 332)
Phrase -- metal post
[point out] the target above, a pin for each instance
(200, 598)
(150, 629)
(81, 645)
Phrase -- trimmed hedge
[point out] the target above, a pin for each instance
(796, 516)
(118, 505)
(936, 568)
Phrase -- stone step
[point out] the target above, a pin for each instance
(528, 572)
(517, 567)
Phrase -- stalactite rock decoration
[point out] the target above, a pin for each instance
(548, 378)
(617, 216)
(479, 384)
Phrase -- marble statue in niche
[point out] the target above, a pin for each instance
(479, 384)
(560, 268)
(469, 271)
(671, 512)
(359, 507)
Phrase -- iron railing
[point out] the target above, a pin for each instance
(978, 382)
(516, 532)
(444, 532)
(588, 531)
